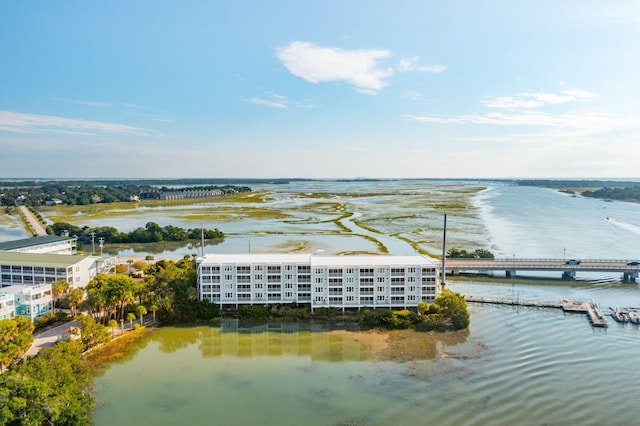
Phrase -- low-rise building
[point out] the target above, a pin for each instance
(34, 269)
(317, 280)
(31, 301)
(47, 244)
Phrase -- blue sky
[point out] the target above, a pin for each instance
(331, 89)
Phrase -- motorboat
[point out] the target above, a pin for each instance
(620, 315)
(634, 316)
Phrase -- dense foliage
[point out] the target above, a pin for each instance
(36, 193)
(51, 388)
(455, 253)
(15, 339)
(151, 233)
(448, 312)
(622, 194)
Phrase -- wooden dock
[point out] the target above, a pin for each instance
(591, 308)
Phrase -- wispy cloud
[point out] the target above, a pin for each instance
(406, 65)
(360, 68)
(585, 122)
(273, 100)
(538, 99)
(15, 122)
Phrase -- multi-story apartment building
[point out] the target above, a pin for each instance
(28, 268)
(317, 280)
(34, 269)
(47, 244)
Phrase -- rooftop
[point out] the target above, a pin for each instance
(45, 260)
(319, 260)
(30, 242)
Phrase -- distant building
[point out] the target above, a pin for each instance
(317, 280)
(47, 244)
(178, 195)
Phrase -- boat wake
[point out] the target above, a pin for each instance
(623, 225)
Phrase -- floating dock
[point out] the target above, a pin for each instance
(591, 308)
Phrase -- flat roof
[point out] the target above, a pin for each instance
(320, 260)
(36, 259)
(30, 242)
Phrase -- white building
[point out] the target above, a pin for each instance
(318, 280)
(7, 305)
(28, 269)
(46, 244)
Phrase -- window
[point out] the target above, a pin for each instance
(228, 268)
(380, 279)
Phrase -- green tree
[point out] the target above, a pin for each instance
(52, 388)
(92, 333)
(74, 298)
(141, 311)
(423, 307)
(453, 306)
(58, 287)
(15, 338)
(112, 324)
(131, 317)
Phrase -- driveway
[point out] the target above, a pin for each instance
(51, 336)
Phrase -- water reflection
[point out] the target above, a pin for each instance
(317, 341)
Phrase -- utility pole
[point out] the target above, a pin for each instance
(444, 251)
(93, 242)
(101, 243)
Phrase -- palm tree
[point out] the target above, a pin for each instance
(129, 261)
(74, 298)
(130, 317)
(112, 324)
(141, 311)
(57, 288)
(154, 308)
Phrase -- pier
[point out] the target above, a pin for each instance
(591, 308)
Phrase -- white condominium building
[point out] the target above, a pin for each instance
(46, 244)
(318, 280)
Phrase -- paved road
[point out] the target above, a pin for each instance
(51, 336)
(33, 221)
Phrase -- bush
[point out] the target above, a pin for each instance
(50, 318)
(254, 312)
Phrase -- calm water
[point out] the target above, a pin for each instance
(524, 366)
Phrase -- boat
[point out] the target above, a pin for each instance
(620, 315)
(634, 316)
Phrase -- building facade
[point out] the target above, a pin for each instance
(32, 301)
(318, 280)
(7, 305)
(34, 269)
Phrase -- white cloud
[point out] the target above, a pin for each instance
(574, 124)
(268, 103)
(273, 100)
(34, 123)
(538, 99)
(406, 65)
(316, 64)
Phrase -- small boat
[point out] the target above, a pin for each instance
(634, 316)
(620, 315)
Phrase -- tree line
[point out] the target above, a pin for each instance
(151, 233)
(36, 193)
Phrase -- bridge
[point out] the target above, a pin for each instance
(628, 269)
